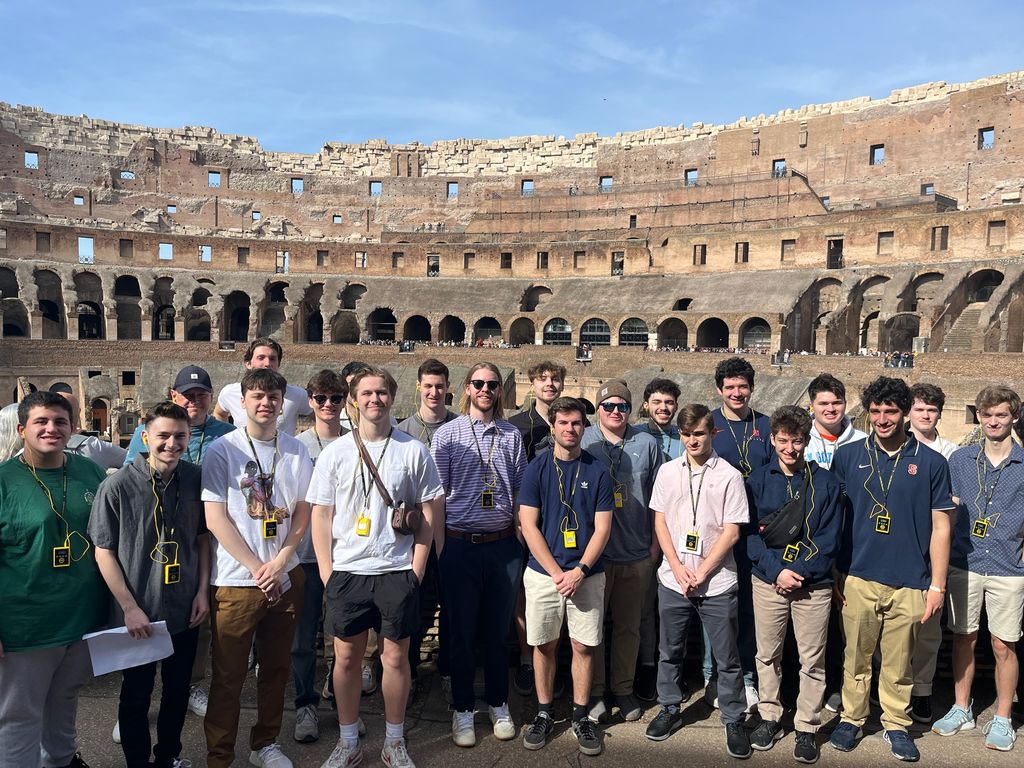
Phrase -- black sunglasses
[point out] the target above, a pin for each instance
(620, 407)
(479, 384)
(335, 399)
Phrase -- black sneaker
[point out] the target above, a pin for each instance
(766, 734)
(737, 740)
(665, 723)
(536, 735)
(921, 709)
(806, 749)
(77, 762)
(645, 686)
(522, 680)
(587, 736)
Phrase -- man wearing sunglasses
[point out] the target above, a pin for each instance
(632, 458)
(481, 461)
(327, 394)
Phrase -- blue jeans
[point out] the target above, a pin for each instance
(480, 584)
(304, 644)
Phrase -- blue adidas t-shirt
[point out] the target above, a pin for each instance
(588, 492)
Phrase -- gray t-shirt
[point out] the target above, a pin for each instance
(314, 444)
(122, 520)
(633, 464)
(424, 430)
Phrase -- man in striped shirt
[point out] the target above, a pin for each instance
(480, 459)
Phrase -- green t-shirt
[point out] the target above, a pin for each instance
(43, 606)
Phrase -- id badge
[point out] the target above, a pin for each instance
(789, 554)
(487, 500)
(172, 573)
(692, 543)
(980, 529)
(362, 526)
(882, 524)
(270, 529)
(569, 538)
(61, 557)
(619, 499)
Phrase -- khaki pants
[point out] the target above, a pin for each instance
(237, 616)
(809, 609)
(876, 614)
(624, 591)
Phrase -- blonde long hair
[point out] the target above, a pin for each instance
(499, 409)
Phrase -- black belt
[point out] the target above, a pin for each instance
(481, 538)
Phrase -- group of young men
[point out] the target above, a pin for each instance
(755, 526)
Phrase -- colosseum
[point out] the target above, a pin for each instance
(841, 230)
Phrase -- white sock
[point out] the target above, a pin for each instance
(394, 731)
(350, 733)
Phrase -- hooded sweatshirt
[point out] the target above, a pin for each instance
(820, 451)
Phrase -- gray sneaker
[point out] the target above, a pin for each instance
(598, 711)
(307, 724)
(630, 709)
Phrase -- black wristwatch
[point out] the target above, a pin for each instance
(584, 568)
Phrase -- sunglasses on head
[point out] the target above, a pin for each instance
(335, 399)
(620, 407)
(479, 384)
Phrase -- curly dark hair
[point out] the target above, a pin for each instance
(733, 368)
(886, 389)
(793, 420)
(663, 386)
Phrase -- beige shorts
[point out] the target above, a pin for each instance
(547, 610)
(1002, 596)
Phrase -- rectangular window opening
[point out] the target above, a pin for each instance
(336, 218)
(453, 189)
(468, 260)
(128, 175)
(126, 248)
(166, 251)
(433, 264)
(826, 201)
(85, 252)
(42, 242)
(31, 160)
(256, 215)
(618, 263)
(298, 186)
(376, 187)
(632, 221)
(928, 188)
(79, 200)
(886, 241)
(506, 260)
(700, 254)
(606, 183)
(940, 238)
(997, 233)
(397, 259)
(542, 259)
(788, 250)
(690, 176)
(281, 263)
(213, 179)
(360, 260)
(243, 255)
(986, 138)
(742, 252)
(171, 208)
(321, 258)
(128, 378)
(206, 253)
(579, 258)
(876, 156)
(526, 187)
(779, 168)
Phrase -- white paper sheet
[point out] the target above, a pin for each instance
(115, 649)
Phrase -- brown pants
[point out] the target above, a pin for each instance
(624, 590)
(237, 616)
(809, 608)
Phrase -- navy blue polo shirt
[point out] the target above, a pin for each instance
(920, 484)
(995, 494)
(593, 493)
(745, 444)
(819, 543)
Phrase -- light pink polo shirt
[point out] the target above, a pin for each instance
(723, 499)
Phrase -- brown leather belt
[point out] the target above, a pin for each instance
(481, 538)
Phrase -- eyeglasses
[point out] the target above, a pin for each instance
(479, 384)
(335, 399)
(620, 407)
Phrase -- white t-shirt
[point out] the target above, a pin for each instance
(296, 403)
(722, 499)
(229, 477)
(315, 445)
(940, 445)
(410, 475)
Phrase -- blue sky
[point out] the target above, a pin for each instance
(298, 73)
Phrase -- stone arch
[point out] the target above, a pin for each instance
(91, 325)
(381, 324)
(869, 331)
(557, 332)
(923, 289)
(982, 284)
(682, 305)
(596, 332)
(713, 333)
(309, 324)
(8, 283)
(416, 328)
(633, 333)
(344, 328)
(237, 310)
(523, 331)
(532, 297)
(673, 333)
(272, 317)
(756, 333)
(197, 325)
(100, 410)
(127, 295)
(351, 295)
(50, 296)
(485, 329)
(451, 328)
(901, 330)
(61, 386)
(164, 313)
(16, 324)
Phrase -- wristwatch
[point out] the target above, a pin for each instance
(584, 568)
(936, 588)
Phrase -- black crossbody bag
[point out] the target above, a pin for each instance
(785, 525)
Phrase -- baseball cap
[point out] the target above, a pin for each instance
(192, 377)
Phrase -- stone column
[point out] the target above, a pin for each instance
(110, 318)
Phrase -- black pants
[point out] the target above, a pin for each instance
(136, 691)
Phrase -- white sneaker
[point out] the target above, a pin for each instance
(394, 755)
(307, 724)
(501, 719)
(463, 732)
(752, 698)
(344, 755)
(369, 680)
(179, 762)
(116, 734)
(198, 701)
(270, 756)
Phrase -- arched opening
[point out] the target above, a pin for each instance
(345, 328)
(197, 325)
(309, 322)
(633, 333)
(869, 331)
(451, 328)
(522, 331)
(486, 328)
(673, 334)
(416, 328)
(532, 297)
(163, 323)
(272, 316)
(924, 290)
(236, 313)
(61, 386)
(983, 284)
(53, 319)
(557, 332)
(902, 331)
(314, 327)
(200, 296)
(100, 415)
(90, 320)
(351, 295)
(16, 322)
(596, 333)
(8, 284)
(129, 314)
(681, 305)
(756, 334)
(713, 333)
(51, 304)
(380, 325)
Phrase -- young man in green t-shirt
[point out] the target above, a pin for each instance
(51, 588)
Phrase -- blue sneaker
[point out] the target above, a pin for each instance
(902, 746)
(999, 734)
(956, 720)
(845, 737)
